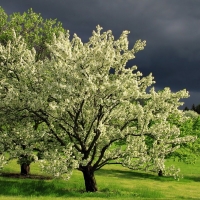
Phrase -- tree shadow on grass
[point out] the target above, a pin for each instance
(16, 187)
(131, 174)
(35, 188)
(30, 176)
(34, 185)
(192, 178)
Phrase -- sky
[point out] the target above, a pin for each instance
(170, 28)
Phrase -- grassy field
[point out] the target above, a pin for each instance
(114, 182)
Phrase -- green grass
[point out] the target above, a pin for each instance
(114, 182)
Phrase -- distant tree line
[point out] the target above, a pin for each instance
(194, 108)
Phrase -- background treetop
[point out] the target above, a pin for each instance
(32, 27)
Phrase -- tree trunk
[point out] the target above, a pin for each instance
(160, 173)
(90, 182)
(25, 169)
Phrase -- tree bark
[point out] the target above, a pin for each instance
(160, 173)
(90, 182)
(25, 169)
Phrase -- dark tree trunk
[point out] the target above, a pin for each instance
(160, 173)
(90, 182)
(25, 169)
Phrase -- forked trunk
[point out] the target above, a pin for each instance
(90, 182)
(25, 169)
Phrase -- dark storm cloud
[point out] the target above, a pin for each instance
(171, 29)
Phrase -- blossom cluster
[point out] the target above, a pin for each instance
(84, 100)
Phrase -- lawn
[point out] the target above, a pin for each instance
(114, 182)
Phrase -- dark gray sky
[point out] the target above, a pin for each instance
(171, 29)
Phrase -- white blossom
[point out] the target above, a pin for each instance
(86, 101)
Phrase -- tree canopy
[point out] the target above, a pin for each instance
(35, 30)
(82, 109)
(189, 152)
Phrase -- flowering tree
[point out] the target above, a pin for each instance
(188, 152)
(36, 32)
(18, 137)
(86, 100)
